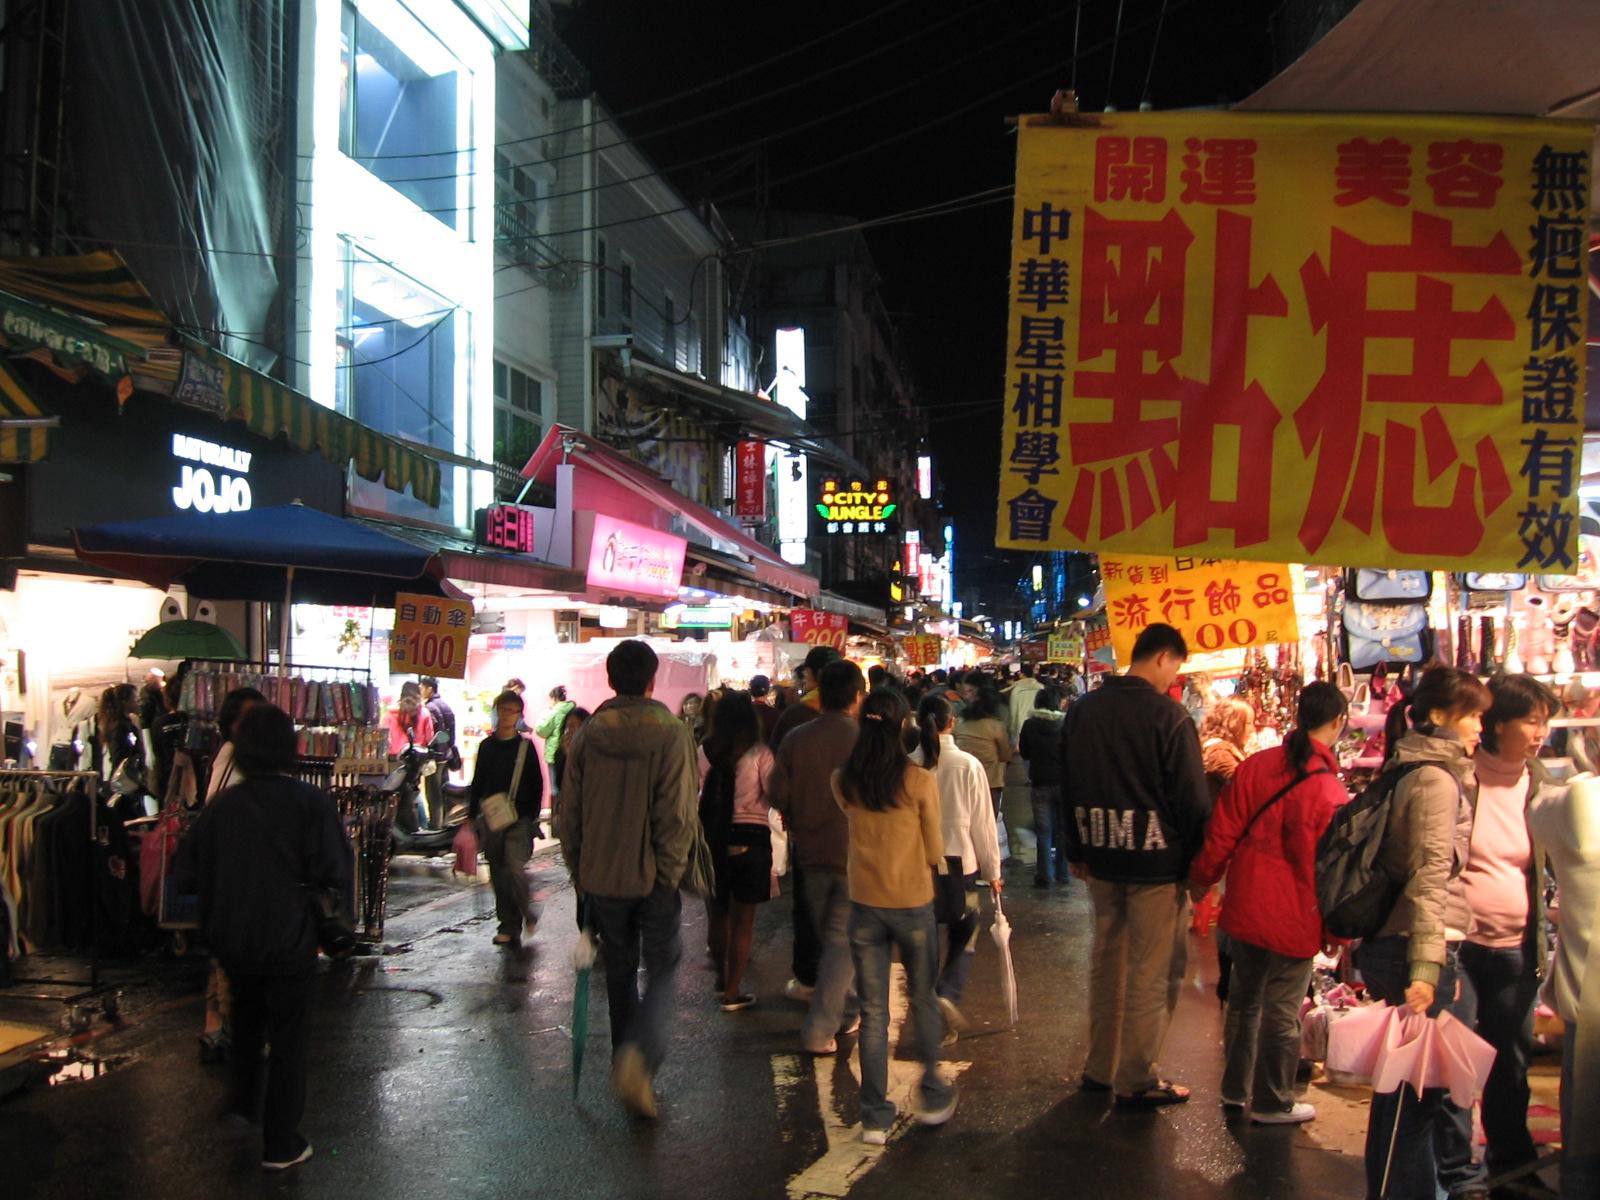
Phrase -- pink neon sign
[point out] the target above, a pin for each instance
(635, 558)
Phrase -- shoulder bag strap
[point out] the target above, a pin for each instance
(1276, 796)
(516, 772)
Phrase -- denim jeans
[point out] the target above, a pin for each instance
(1580, 1175)
(827, 899)
(1046, 804)
(807, 952)
(1498, 989)
(1402, 1127)
(872, 932)
(624, 926)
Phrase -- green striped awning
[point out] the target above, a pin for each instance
(20, 441)
(213, 381)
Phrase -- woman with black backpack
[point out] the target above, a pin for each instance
(1411, 961)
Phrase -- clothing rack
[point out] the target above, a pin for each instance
(90, 780)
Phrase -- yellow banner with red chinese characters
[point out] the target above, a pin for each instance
(1336, 338)
(1217, 604)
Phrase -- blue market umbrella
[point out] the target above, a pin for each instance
(286, 552)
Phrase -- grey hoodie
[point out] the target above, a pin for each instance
(629, 800)
(1426, 844)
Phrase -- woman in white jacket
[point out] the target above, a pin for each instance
(971, 847)
(1565, 823)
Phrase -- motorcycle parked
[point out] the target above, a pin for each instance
(405, 782)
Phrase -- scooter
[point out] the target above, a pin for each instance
(405, 781)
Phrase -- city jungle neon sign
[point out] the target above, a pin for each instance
(856, 508)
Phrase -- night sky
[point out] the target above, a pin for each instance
(925, 109)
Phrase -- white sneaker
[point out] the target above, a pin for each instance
(875, 1137)
(795, 990)
(1297, 1115)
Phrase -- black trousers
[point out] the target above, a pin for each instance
(274, 1010)
(807, 942)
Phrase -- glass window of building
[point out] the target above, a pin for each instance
(404, 104)
(518, 415)
(397, 351)
(517, 209)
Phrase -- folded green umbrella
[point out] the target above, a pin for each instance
(187, 639)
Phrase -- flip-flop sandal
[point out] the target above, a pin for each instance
(1164, 1092)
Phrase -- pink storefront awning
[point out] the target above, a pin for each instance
(563, 444)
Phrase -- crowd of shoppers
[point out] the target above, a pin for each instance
(1150, 807)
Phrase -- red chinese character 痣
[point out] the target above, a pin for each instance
(1219, 171)
(1130, 169)
(1373, 171)
(1349, 459)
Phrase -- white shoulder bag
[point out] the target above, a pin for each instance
(500, 809)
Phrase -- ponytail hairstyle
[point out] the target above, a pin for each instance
(877, 766)
(1320, 704)
(932, 716)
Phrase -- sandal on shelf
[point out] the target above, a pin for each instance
(1163, 1093)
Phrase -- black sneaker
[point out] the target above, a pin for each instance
(291, 1160)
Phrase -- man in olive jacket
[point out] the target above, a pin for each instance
(629, 814)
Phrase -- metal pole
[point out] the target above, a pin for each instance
(285, 621)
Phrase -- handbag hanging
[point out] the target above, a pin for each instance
(1393, 633)
(500, 810)
(1372, 583)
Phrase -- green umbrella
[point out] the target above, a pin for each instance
(583, 954)
(187, 639)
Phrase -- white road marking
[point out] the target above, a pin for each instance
(848, 1158)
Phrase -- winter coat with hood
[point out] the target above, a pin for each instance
(1272, 864)
(1426, 844)
(629, 800)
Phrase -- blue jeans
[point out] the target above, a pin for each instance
(827, 899)
(1051, 863)
(624, 926)
(1498, 990)
(1401, 1121)
(872, 932)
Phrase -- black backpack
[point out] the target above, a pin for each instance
(1354, 891)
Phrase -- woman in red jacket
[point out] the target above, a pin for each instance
(1264, 833)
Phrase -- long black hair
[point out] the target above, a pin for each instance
(985, 704)
(877, 765)
(735, 730)
(932, 715)
(234, 703)
(1320, 704)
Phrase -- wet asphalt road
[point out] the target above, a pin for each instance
(444, 1070)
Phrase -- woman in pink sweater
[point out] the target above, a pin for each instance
(1503, 953)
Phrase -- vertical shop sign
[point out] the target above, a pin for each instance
(750, 481)
(1217, 604)
(430, 636)
(1294, 337)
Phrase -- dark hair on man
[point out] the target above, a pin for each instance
(631, 668)
(1515, 698)
(429, 682)
(932, 715)
(734, 731)
(986, 703)
(1047, 697)
(877, 765)
(264, 741)
(1027, 670)
(1449, 690)
(760, 685)
(508, 697)
(1321, 704)
(818, 657)
(1157, 638)
(234, 703)
(839, 685)
(940, 675)
(877, 676)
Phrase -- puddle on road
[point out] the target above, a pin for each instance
(61, 1067)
